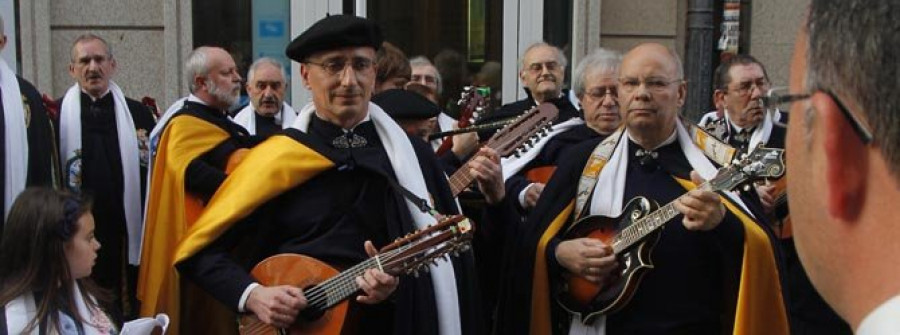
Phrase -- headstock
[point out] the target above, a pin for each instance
(414, 252)
(154, 108)
(525, 131)
(472, 102)
(762, 163)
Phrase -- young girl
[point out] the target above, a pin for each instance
(46, 254)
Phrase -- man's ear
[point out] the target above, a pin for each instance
(72, 71)
(846, 161)
(200, 82)
(304, 73)
(719, 99)
(114, 67)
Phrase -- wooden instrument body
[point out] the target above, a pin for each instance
(634, 233)
(581, 297)
(300, 271)
(327, 290)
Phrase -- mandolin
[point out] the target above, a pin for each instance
(633, 234)
(511, 140)
(327, 289)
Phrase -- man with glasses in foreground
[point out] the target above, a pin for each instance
(844, 162)
(337, 184)
(714, 267)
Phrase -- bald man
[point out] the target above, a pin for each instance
(696, 285)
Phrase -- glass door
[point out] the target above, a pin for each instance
(470, 41)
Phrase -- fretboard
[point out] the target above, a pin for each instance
(639, 229)
(340, 287)
(460, 179)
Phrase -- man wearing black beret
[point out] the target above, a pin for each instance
(415, 113)
(342, 181)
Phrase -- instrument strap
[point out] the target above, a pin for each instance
(422, 204)
(714, 148)
(591, 172)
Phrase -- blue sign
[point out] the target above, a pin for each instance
(271, 28)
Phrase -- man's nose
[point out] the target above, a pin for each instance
(756, 91)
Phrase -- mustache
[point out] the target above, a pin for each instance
(547, 77)
(269, 99)
(348, 92)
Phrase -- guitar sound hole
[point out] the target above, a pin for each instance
(626, 263)
(311, 313)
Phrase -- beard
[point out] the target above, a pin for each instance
(226, 97)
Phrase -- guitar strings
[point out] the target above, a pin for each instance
(346, 284)
(319, 294)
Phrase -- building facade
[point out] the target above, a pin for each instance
(150, 38)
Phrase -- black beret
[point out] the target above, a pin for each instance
(333, 32)
(403, 104)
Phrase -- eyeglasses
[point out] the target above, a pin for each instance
(601, 92)
(653, 84)
(336, 67)
(538, 67)
(424, 78)
(744, 88)
(780, 98)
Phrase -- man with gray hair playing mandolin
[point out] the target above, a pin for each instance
(710, 270)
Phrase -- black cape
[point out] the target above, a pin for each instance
(310, 219)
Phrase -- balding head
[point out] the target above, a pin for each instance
(651, 92)
(663, 53)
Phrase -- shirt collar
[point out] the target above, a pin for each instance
(194, 98)
(367, 118)
(93, 99)
(884, 319)
(671, 139)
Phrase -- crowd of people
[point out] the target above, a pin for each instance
(190, 206)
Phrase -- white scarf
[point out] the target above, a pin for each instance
(21, 310)
(761, 133)
(160, 124)
(610, 189)
(512, 164)
(16, 140)
(409, 175)
(246, 118)
(70, 149)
